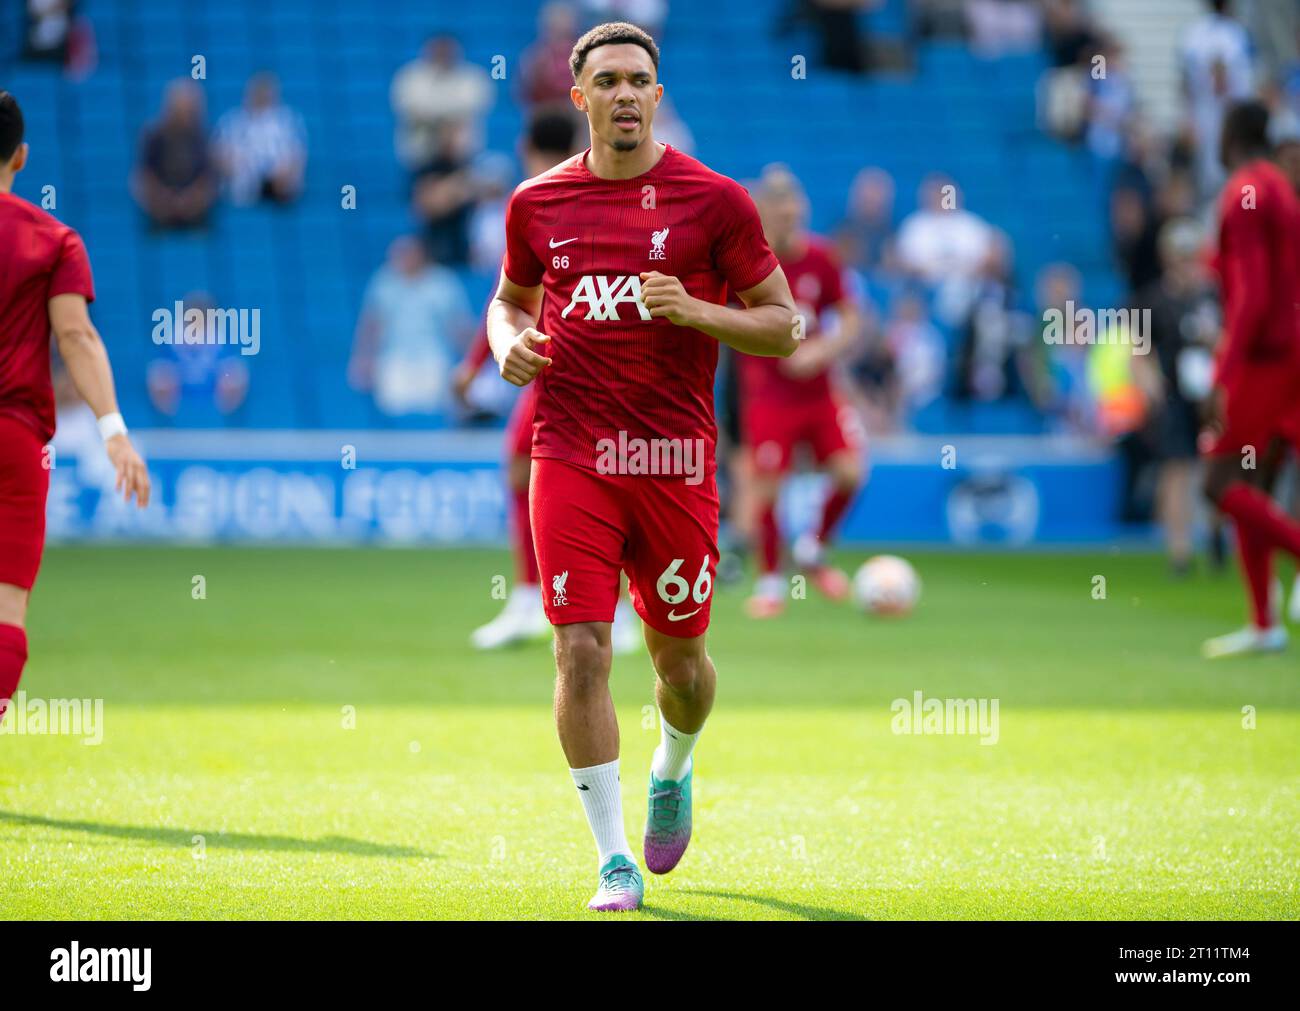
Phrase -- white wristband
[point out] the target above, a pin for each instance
(111, 425)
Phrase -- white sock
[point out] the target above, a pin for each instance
(770, 584)
(673, 756)
(598, 788)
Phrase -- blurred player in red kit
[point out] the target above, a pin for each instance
(548, 142)
(1257, 378)
(633, 245)
(791, 402)
(45, 284)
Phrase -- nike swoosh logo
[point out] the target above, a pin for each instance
(674, 616)
(584, 788)
(557, 245)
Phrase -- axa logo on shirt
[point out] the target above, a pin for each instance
(603, 295)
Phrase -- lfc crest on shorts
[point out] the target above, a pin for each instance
(657, 240)
(557, 585)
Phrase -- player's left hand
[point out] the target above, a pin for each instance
(132, 475)
(665, 297)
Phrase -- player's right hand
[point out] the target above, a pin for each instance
(522, 362)
(132, 474)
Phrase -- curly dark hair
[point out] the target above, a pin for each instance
(611, 33)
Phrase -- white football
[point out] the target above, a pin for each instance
(886, 584)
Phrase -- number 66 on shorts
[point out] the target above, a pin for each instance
(661, 531)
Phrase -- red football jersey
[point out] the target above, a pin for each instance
(587, 240)
(1259, 264)
(39, 258)
(817, 283)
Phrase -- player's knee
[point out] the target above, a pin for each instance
(582, 656)
(679, 668)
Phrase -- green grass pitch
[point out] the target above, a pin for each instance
(234, 780)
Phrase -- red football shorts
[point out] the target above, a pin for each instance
(519, 429)
(1261, 404)
(24, 484)
(661, 531)
(772, 431)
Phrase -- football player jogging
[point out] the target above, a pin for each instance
(634, 245)
(1257, 378)
(786, 403)
(45, 284)
(548, 142)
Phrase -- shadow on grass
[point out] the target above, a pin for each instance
(799, 909)
(218, 840)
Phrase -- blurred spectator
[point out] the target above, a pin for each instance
(1217, 70)
(492, 177)
(1185, 324)
(874, 372)
(1274, 25)
(939, 18)
(1058, 384)
(1288, 78)
(49, 26)
(946, 246)
(990, 363)
(444, 193)
(1284, 131)
(546, 75)
(999, 27)
(55, 34)
(1134, 228)
(261, 147)
(198, 384)
(1138, 213)
(940, 239)
(1068, 33)
(1063, 91)
(174, 181)
(865, 236)
(415, 319)
(917, 352)
(844, 43)
(1112, 101)
(437, 89)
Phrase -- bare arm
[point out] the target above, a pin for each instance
(84, 354)
(512, 332)
(765, 327)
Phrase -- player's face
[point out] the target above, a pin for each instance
(619, 94)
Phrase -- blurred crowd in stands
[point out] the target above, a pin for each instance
(944, 316)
